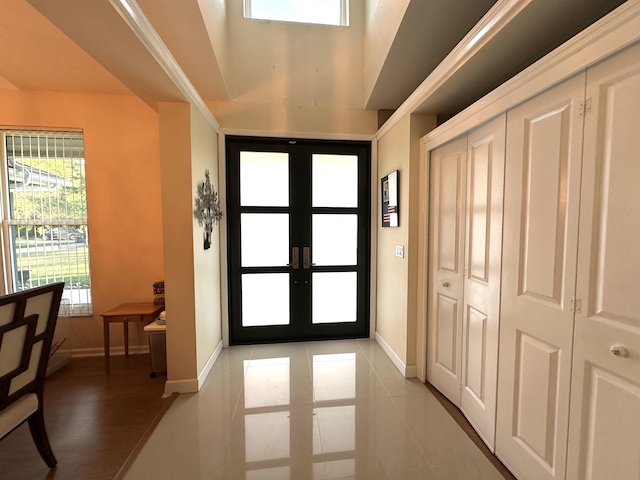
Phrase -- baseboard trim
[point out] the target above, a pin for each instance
(114, 351)
(209, 365)
(407, 371)
(193, 385)
(180, 386)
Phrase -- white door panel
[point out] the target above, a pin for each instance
(464, 277)
(447, 335)
(446, 260)
(604, 442)
(536, 398)
(605, 405)
(542, 195)
(480, 329)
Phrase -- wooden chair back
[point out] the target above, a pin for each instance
(27, 323)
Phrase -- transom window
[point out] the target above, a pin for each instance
(324, 12)
(44, 215)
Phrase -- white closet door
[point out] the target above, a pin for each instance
(481, 306)
(605, 405)
(464, 279)
(542, 194)
(446, 264)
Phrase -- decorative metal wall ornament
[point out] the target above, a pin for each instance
(207, 210)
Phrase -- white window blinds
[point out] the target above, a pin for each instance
(44, 214)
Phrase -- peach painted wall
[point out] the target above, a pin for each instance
(175, 155)
(121, 140)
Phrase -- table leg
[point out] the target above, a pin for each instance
(126, 338)
(106, 345)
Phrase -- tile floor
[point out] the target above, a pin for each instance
(319, 410)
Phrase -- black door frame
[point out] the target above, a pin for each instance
(300, 212)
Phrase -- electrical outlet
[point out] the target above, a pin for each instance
(400, 251)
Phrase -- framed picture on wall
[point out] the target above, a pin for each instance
(389, 195)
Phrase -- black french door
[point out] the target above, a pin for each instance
(299, 223)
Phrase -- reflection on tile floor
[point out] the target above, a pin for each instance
(319, 410)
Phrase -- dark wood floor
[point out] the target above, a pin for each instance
(94, 420)
(460, 419)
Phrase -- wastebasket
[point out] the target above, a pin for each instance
(157, 347)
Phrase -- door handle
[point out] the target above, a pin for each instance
(306, 258)
(295, 258)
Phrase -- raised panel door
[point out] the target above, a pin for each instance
(446, 261)
(483, 258)
(542, 195)
(604, 441)
(467, 179)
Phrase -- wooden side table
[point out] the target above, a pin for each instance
(125, 313)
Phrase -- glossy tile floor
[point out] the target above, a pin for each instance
(320, 410)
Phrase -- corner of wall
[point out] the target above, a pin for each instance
(209, 365)
(175, 161)
(420, 125)
(407, 371)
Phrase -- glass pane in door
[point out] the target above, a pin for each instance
(335, 239)
(334, 180)
(265, 299)
(334, 297)
(265, 239)
(264, 179)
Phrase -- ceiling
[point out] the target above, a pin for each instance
(390, 47)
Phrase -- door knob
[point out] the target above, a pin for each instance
(619, 351)
(445, 284)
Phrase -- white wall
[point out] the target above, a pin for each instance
(206, 263)
(277, 71)
(266, 119)
(188, 145)
(214, 14)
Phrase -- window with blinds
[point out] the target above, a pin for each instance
(44, 214)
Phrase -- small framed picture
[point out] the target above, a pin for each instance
(390, 213)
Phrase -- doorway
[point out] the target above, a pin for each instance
(299, 222)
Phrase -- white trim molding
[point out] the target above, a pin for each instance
(193, 385)
(241, 132)
(407, 371)
(488, 27)
(180, 386)
(209, 365)
(113, 351)
(612, 33)
(140, 25)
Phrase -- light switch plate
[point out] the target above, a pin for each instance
(400, 251)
